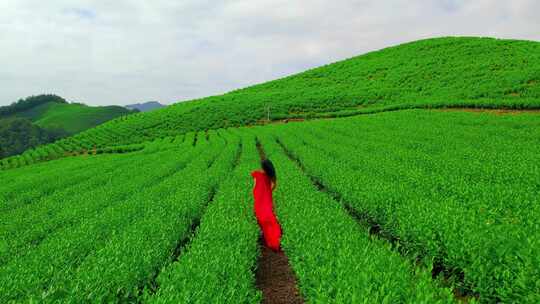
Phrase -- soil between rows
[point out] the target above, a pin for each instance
(276, 279)
(490, 111)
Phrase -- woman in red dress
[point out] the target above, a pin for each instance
(265, 183)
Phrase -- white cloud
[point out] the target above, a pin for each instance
(119, 52)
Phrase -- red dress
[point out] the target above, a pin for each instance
(262, 192)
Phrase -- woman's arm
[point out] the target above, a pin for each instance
(254, 175)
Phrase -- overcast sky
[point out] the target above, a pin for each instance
(121, 52)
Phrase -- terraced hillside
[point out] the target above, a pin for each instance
(441, 72)
(404, 206)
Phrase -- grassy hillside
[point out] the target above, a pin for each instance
(72, 118)
(49, 116)
(476, 72)
(441, 72)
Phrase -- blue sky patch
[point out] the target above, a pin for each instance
(83, 13)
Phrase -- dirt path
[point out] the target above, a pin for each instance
(490, 111)
(274, 276)
(276, 279)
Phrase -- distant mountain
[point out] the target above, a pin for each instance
(42, 119)
(146, 106)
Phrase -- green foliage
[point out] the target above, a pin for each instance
(18, 135)
(457, 189)
(130, 260)
(51, 248)
(216, 266)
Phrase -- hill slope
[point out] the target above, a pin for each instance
(49, 116)
(72, 118)
(441, 72)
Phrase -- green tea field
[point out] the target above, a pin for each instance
(398, 181)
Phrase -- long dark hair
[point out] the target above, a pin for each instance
(269, 169)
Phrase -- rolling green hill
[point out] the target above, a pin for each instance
(72, 118)
(42, 119)
(409, 204)
(439, 72)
